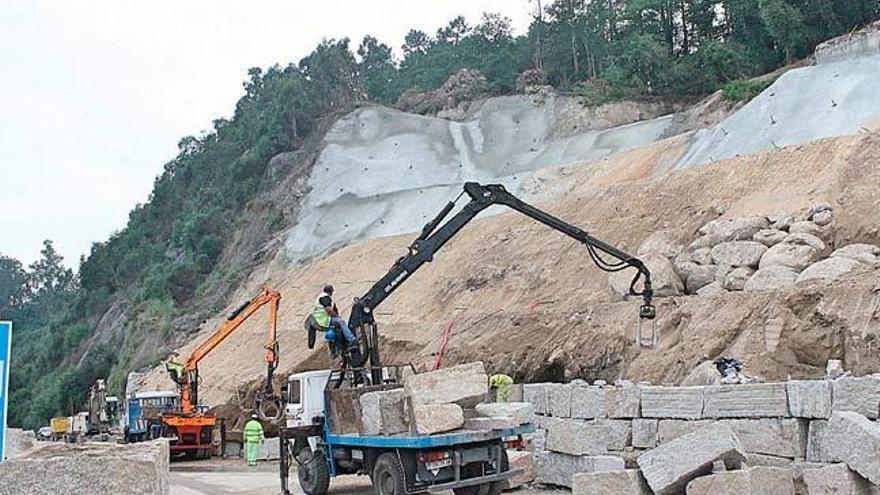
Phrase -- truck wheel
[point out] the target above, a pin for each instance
(314, 479)
(388, 476)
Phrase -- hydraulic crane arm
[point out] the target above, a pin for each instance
(189, 386)
(434, 236)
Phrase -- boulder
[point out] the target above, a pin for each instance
(733, 229)
(751, 481)
(818, 207)
(823, 218)
(868, 254)
(521, 412)
(695, 276)
(769, 237)
(574, 437)
(793, 256)
(805, 239)
(702, 256)
(855, 440)
(712, 289)
(771, 278)
(781, 220)
(736, 279)
(809, 398)
(738, 253)
(828, 269)
(466, 385)
(663, 277)
(518, 459)
(806, 227)
(660, 242)
(619, 482)
(429, 419)
(671, 466)
(835, 479)
(704, 374)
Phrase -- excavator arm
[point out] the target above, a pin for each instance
(190, 381)
(434, 236)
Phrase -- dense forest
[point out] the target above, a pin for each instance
(173, 247)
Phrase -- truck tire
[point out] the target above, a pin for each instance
(489, 488)
(387, 476)
(314, 478)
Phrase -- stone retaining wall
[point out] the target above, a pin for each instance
(580, 427)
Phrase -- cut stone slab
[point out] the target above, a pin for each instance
(753, 460)
(809, 398)
(752, 481)
(861, 395)
(672, 402)
(769, 436)
(671, 466)
(559, 400)
(521, 412)
(558, 469)
(644, 433)
(738, 253)
(518, 459)
(536, 393)
(588, 402)
(437, 418)
(817, 451)
(855, 440)
(466, 385)
(88, 469)
(576, 437)
(836, 479)
(755, 400)
(486, 423)
(622, 402)
(621, 482)
(670, 429)
(384, 412)
(270, 450)
(619, 435)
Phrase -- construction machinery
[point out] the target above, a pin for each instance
(59, 426)
(103, 410)
(189, 429)
(434, 236)
(318, 437)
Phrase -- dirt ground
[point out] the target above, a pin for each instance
(529, 302)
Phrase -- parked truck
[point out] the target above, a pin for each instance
(59, 426)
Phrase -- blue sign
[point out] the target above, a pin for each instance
(5, 354)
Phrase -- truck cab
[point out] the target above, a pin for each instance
(305, 397)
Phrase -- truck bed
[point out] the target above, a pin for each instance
(404, 441)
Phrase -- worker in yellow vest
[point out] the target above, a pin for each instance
(326, 315)
(500, 384)
(253, 439)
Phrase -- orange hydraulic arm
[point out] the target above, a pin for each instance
(190, 379)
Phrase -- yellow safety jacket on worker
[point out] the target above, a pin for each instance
(322, 318)
(253, 431)
(501, 383)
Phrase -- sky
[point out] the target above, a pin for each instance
(95, 95)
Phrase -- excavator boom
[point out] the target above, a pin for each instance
(436, 234)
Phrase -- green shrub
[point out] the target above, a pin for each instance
(744, 90)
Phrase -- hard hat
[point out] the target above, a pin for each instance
(254, 416)
(330, 335)
(328, 288)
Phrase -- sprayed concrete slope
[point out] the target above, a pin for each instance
(385, 172)
(839, 96)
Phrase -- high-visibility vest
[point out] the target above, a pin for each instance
(253, 431)
(320, 314)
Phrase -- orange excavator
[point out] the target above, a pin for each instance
(189, 428)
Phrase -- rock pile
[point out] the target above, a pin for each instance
(88, 469)
(708, 440)
(753, 253)
(464, 85)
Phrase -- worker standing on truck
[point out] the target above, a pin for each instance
(326, 315)
(253, 439)
(500, 384)
(174, 368)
